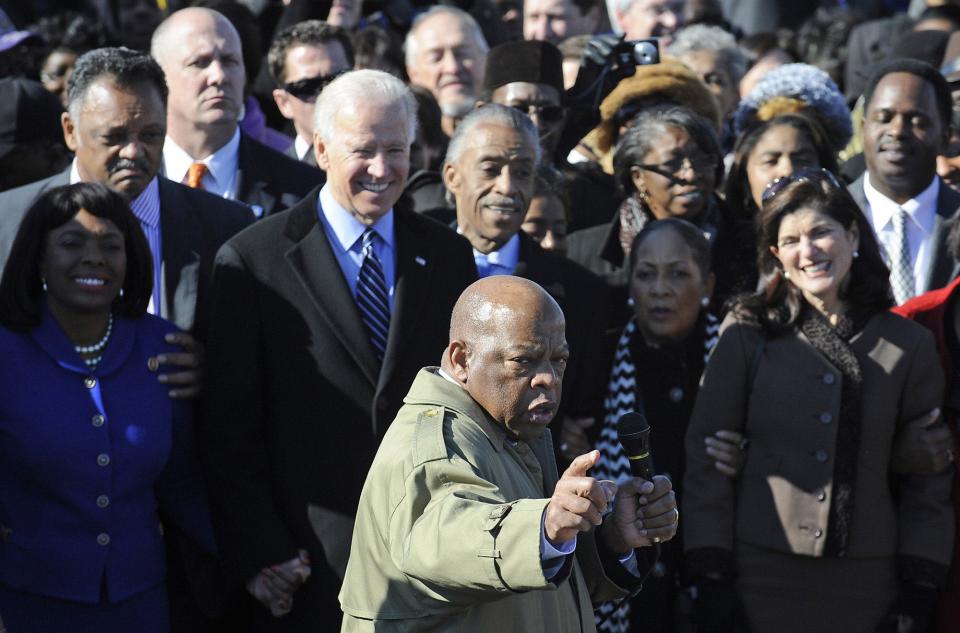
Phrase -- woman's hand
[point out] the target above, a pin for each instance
(924, 446)
(729, 449)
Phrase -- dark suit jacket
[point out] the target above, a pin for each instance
(944, 267)
(310, 158)
(193, 225)
(296, 403)
(269, 179)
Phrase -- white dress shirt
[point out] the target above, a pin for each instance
(921, 219)
(221, 176)
(301, 147)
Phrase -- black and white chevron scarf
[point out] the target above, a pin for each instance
(622, 397)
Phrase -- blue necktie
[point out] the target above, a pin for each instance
(372, 298)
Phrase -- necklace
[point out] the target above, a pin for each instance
(96, 348)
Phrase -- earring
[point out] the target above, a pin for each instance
(43, 283)
(786, 275)
(121, 292)
(856, 254)
(630, 302)
(705, 301)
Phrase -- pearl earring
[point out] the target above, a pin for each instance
(630, 301)
(705, 301)
(786, 275)
(856, 254)
(43, 283)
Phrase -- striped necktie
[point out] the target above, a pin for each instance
(901, 268)
(372, 296)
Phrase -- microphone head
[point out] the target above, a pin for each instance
(631, 423)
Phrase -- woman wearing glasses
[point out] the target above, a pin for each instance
(669, 163)
(818, 533)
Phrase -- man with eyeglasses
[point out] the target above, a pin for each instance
(303, 59)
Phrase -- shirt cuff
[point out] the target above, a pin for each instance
(551, 557)
(629, 562)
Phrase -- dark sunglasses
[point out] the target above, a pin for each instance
(308, 89)
(815, 175)
(551, 113)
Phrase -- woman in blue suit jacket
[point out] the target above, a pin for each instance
(91, 446)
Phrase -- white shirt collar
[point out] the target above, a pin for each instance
(921, 209)
(221, 165)
(347, 228)
(301, 147)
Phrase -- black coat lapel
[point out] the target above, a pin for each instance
(250, 190)
(180, 259)
(943, 268)
(414, 269)
(315, 265)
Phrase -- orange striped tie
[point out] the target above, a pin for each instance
(195, 175)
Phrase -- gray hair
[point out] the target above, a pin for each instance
(491, 114)
(410, 44)
(363, 86)
(711, 39)
(126, 67)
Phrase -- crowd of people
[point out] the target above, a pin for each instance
(324, 315)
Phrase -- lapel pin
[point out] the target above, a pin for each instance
(420, 260)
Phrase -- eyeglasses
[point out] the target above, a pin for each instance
(549, 113)
(308, 89)
(674, 166)
(815, 175)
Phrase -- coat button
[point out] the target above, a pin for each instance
(826, 418)
(89, 382)
(103, 501)
(817, 533)
(97, 420)
(821, 456)
(829, 379)
(103, 539)
(103, 459)
(676, 394)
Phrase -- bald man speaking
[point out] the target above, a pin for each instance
(463, 524)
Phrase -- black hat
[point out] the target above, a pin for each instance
(530, 61)
(28, 112)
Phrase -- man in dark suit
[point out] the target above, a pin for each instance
(115, 125)
(324, 315)
(489, 170)
(906, 125)
(303, 58)
(200, 53)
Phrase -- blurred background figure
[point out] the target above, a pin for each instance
(445, 53)
(31, 139)
(556, 20)
(547, 216)
(67, 36)
(641, 19)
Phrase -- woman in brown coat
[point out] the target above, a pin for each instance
(818, 534)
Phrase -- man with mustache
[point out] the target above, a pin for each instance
(906, 125)
(489, 171)
(200, 52)
(463, 524)
(445, 52)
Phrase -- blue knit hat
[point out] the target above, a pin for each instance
(806, 86)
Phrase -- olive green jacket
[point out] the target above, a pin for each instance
(447, 536)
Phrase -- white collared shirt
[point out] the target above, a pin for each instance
(345, 234)
(921, 214)
(301, 147)
(221, 176)
(502, 261)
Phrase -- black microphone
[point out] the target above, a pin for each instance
(633, 431)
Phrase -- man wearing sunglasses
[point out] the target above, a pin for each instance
(528, 76)
(303, 59)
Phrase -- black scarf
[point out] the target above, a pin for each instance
(833, 343)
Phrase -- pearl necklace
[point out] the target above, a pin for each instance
(96, 348)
